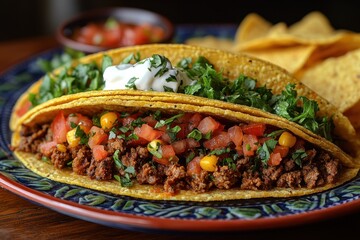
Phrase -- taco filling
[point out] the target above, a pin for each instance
(180, 151)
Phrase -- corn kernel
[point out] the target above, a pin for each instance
(72, 139)
(208, 163)
(61, 147)
(108, 120)
(154, 145)
(286, 139)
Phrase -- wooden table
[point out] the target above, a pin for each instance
(21, 219)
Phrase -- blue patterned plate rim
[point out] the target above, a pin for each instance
(131, 213)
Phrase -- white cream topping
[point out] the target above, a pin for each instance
(148, 75)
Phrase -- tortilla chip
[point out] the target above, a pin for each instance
(291, 58)
(313, 25)
(252, 27)
(339, 75)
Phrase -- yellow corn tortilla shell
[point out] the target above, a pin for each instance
(156, 193)
(232, 65)
(122, 102)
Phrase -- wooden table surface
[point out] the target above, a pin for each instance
(21, 219)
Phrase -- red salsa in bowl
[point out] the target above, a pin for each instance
(103, 29)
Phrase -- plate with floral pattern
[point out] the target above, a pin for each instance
(138, 214)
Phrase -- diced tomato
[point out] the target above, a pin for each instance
(208, 124)
(192, 143)
(45, 148)
(263, 140)
(184, 118)
(99, 152)
(168, 155)
(193, 167)
(59, 128)
(283, 150)
(275, 159)
(300, 143)
(142, 34)
(250, 145)
(137, 142)
(166, 138)
(183, 132)
(126, 121)
(147, 132)
(24, 108)
(236, 135)
(180, 146)
(163, 161)
(150, 120)
(256, 129)
(194, 121)
(219, 141)
(79, 119)
(167, 151)
(219, 129)
(88, 34)
(97, 136)
(112, 36)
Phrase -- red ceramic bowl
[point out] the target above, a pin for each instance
(135, 16)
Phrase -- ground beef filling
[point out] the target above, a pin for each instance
(317, 169)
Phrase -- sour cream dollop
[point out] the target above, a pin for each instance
(151, 74)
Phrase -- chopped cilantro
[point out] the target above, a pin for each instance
(131, 83)
(195, 134)
(265, 150)
(298, 156)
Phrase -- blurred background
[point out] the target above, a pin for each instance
(23, 18)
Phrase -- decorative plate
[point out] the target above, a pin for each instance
(137, 214)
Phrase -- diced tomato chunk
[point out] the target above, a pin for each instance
(256, 129)
(166, 138)
(194, 121)
(126, 121)
(24, 108)
(137, 142)
(208, 124)
(99, 152)
(84, 122)
(219, 141)
(250, 145)
(147, 132)
(97, 136)
(150, 120)
(183, 131)
(193, 167)
(167, 151)
(236, 135)
(59, 128)
(45, 148)
(192, 143)
(283, 150)
(180, 146)
(275, 159)
(163, 161)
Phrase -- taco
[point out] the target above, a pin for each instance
(275, 139)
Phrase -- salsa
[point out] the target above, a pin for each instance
(113, 33)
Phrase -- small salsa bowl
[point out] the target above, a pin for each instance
(107, 28)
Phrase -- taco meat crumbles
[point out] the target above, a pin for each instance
(182, 151)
